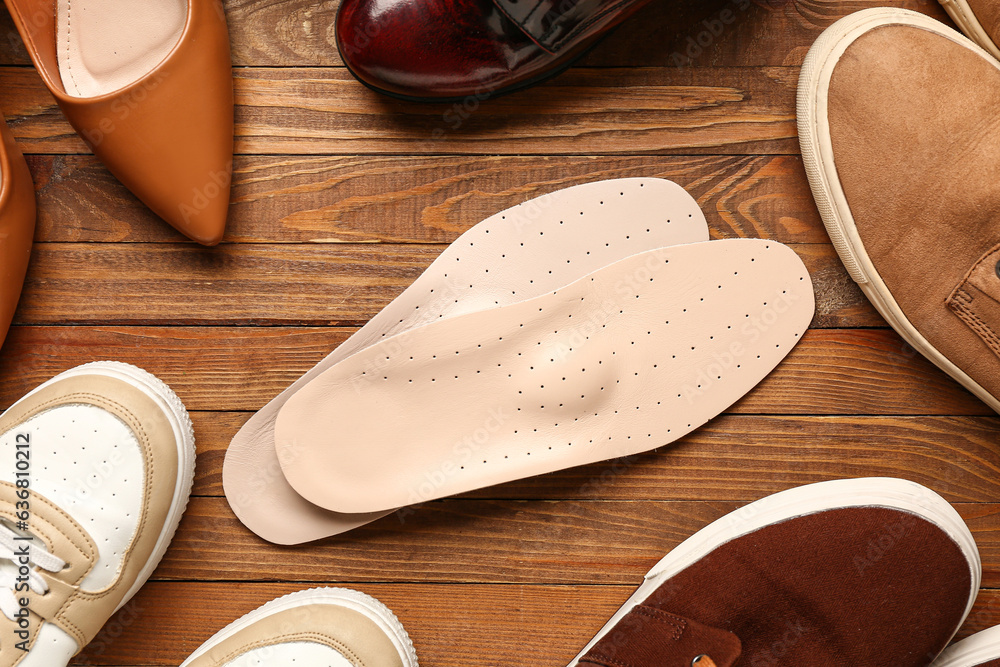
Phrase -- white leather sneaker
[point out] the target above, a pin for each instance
(322, 627)
(96, 471)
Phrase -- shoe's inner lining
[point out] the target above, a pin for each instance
(105, 45)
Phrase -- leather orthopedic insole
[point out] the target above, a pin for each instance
(106, 45)
(629, 358)
(529, 249)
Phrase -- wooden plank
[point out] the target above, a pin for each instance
(841, 371)
(759, 33)
(451, 625)
(776, 32)
(361, 199)
(91, 283)
(737, 458)
(554, 542)
(586, 111)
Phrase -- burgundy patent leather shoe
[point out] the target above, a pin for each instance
(444, 50)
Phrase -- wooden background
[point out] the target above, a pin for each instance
(343, 197)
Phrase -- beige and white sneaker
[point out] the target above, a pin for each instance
(321, 627)
(96, 470)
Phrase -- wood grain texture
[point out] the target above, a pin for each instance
(550, 542)
(839, 371)
(315, 284)
(371, 199)
(451, 626)
(342, 198)
(310, 110)
(768, 32)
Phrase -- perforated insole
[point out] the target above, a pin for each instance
(627, 359)
(106, 45)
(517, 254)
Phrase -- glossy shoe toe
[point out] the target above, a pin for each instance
(432, 49)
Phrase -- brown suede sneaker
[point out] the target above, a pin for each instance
(897, 122)
(979, 19)
(861, 572)
(980, 650)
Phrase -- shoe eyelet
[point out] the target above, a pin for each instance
(998, 268)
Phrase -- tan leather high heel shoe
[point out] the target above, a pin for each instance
(148, 85)
(17, 225)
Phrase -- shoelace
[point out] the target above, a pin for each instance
(39, 558)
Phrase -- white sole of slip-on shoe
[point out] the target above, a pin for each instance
(979, 649)
(817, 156)
(798, 502)
(627, 359)
(514, 255)
(967, 21)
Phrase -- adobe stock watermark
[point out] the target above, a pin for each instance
(774, 654)
(631, 284)
(217, 185)
(266, 471)
(704, 34)
(446, 298)
(464, 451)
(751, 331)
(111, 632)
(884, 542)
(122, 108)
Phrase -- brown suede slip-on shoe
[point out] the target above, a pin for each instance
(897, 122)
(17, 225)
(979, 19)
(148, 85)
(861, 572)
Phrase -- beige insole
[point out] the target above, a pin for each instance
(514, 255)
(105, 45)
(634, 356)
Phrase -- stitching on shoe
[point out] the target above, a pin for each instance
(318, 637)
(69, 42)
(959, 303)
(676, 622)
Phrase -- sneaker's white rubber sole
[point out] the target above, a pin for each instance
(355, 600)
(804, 500)
(818, 158)
(975, 650)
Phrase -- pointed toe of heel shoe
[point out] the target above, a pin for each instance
(150, 91)
(17, 225)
